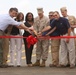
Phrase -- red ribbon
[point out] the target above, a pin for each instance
(42, 37)
(56, 37)
(31, 40)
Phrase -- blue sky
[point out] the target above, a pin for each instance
(31, 5)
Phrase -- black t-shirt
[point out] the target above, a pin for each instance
(15, 30)
(26, 33)
(61, 24)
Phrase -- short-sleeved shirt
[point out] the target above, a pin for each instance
(61, 24)
(6, 20)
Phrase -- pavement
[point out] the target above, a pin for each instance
(24, 70)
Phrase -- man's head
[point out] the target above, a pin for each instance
(56, 15)
(51, 15)
(13, 12)
(63, 11)
(40, 12)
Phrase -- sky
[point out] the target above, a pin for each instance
(31, 6)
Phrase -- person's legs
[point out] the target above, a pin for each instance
(45, 49)
(38, 53)
(28, 52)
(18, 50)
(55, 45)
(5, 50)
(12, 51)
(63, 55)
(1, 49)
(71, 48)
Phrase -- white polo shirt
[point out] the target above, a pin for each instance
(6, 20)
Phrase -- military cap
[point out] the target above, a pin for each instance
(63, 9)
(40, 10)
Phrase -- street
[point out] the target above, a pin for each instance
(24, 70)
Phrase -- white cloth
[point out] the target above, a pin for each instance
(15, 44)
(6, 20)
(67, 51)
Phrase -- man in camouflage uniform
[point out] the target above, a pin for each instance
(42, 44)
(71, 20)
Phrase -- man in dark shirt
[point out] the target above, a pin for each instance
(55, 43)
(67, 44)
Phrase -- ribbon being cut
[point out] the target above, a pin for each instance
(32, 39)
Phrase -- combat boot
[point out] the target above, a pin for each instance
(42, 64)
(37, 63)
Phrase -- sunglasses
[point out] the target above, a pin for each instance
(54, 15)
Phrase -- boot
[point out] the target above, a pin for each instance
(37, 63)
(42, 64)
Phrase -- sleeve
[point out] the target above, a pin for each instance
(47, 21)
(13, 22)
(52, 23)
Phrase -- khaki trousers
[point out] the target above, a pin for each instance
(1, 48)
(5, 49)
(55, 45)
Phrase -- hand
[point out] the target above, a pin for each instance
(46, 34)
(67, 40)
(39, 34)
(29, 31)
(31, 28)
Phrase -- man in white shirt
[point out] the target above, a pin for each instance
(5, 21)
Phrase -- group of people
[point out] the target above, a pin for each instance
(53, 26)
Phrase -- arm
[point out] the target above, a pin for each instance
(69, 32)
(51, 31)
(22, 26)
(46, 28)
(74, 26)
(51, 25)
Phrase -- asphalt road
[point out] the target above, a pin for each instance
(24, 70)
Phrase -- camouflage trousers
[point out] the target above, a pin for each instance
(42, 49)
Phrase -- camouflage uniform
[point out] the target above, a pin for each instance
(42, 44)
